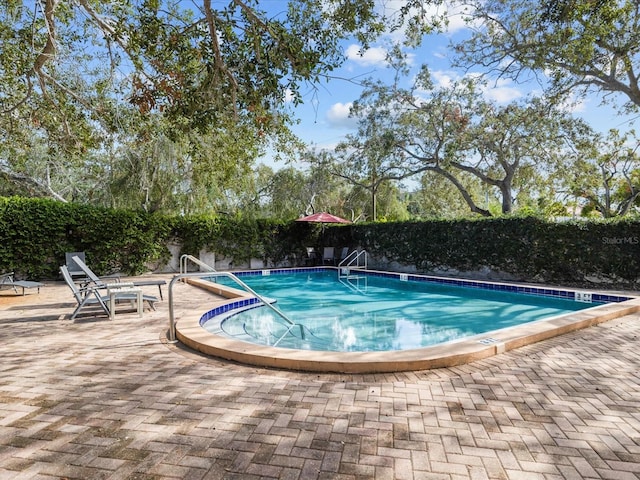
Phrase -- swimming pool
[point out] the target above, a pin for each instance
(190, 328)
(374, 313)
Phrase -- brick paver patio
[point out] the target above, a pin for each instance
(110, 399)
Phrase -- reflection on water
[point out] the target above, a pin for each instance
(392, 315)
(370, 332)
(344, 337)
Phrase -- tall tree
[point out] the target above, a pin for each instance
(72, 73)
(434, 197)
(605, 173)
(576, 44)
(513, 148)
(369, 159)
(199, 65)
(324, 191)
(454, 132)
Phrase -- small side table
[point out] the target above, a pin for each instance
(124, 291)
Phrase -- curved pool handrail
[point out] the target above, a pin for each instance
(197, 261)
(214, 272)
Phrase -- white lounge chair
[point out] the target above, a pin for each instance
(91, 295)
(93, 279)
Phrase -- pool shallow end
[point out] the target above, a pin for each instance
(191, 334)
(194, 336)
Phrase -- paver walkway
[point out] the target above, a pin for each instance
(101, 399)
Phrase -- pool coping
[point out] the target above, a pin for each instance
(190, 332)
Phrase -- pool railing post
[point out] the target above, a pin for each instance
(172, 322)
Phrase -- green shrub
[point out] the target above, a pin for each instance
(529, 249)
(36, 233)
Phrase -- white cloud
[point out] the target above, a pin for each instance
(338, 116)
(328, 145)
(574, 105)
(410, 58)
(457, 16)
(288, 96)
(376, 56)
(502, 91)
(444, 79)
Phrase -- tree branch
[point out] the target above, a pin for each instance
(219, 62)
(49, 49)
(463, 191)
(24, 179)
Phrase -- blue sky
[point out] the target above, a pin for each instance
(324, 117)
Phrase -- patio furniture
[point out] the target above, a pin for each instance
(98, 282)
(85, 296)
(115, 290)
(92, 296)
(144, 283)
(77, 273)
(6, 280)
(72, 267)
(328, 256)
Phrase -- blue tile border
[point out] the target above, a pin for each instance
(480, 284)
(228, 307)
(596, 298)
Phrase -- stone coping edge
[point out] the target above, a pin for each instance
(458, 352)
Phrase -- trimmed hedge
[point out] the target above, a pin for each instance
(241, 239)
(36, 233)
(527, 249)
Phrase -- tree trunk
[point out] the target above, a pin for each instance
(507, 199)
(374, 207)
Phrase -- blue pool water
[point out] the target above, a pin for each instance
(377, 314)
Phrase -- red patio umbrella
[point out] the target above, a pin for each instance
(322, 217)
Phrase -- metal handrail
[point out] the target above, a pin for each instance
(348, 258)
(355, 257)
(285, 334)
(197, 261)
(352, 261)
(213, 271)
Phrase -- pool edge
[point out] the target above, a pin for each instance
(191, 334)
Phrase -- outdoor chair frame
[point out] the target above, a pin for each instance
(7, 280)
(92, 278)
(92, 295)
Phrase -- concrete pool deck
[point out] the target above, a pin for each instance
(111, 399)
